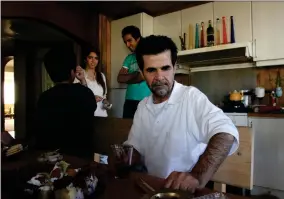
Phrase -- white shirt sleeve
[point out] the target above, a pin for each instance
(212, 120)
(134, 136)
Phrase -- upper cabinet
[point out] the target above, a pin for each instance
(193, 15)
(241, 12)
(169, 25)
(268, 31)
(118, 49)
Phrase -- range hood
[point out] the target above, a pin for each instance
(227, 56)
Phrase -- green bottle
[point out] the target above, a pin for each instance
(210, 34)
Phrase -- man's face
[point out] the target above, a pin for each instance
(159, 74)
(130, 42)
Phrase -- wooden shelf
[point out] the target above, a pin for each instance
(247, 45)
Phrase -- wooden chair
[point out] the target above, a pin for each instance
(107, 131)
(237, 169)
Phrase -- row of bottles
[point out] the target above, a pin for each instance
(213, 35)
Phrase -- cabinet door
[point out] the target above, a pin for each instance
(241, 11)
(196, 14)
(118, 49)
(169, 25)
(268, 152)
(268, 30)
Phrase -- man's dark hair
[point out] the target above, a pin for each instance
(59, 62)
(132, 30)
(153, 45)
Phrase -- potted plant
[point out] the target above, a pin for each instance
(278, 89)
(278, 84)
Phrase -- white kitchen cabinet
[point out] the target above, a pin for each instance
(239, 119)
(268, 152)
(268, 31)
(241, 12)
(193, 15)
(169, 25)
(118, 49)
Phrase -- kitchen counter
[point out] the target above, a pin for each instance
(270, 115)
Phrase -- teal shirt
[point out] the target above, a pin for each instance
(135, 91)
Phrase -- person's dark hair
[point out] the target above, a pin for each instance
(59, 62)
(98, 69)
(133, 30)
(153, 45)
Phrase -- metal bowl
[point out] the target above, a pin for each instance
(171, 194)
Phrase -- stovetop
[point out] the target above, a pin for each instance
(235, 110)
(235, 107)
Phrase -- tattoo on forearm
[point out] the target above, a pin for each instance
(216, 152)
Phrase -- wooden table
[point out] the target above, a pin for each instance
(127, 188)
(26, 166)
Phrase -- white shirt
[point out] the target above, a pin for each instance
(97, 90)
(172, 135)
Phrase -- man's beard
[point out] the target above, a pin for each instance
(161, 89)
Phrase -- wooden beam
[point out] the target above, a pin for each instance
(104, 46)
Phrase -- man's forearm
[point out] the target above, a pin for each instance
(132, 78)
(216, 152)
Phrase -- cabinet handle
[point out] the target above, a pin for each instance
(255, 56)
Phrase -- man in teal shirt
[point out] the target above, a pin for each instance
(130, 73)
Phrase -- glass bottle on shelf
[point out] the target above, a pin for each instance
(202, 35)
(218, 40)
(210, 34)
(225, 40)
(232, 30)
(197, 35)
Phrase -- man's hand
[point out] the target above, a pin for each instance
(123, 71)
(132, 78)
(182, 180)
(98, 98)
(80, 75)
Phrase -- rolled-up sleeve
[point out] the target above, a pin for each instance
(212, 120)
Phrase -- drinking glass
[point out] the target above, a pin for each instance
(123, 155)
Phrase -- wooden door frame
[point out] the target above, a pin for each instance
(104, 46)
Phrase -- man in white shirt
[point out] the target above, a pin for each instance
(177, 132)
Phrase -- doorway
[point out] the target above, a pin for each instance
(9, 97)
(24, 77)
